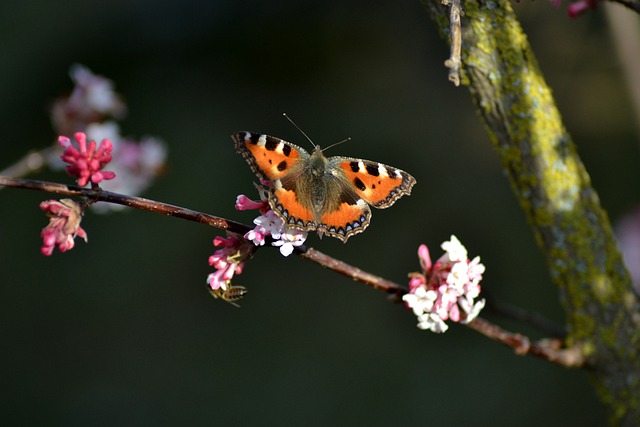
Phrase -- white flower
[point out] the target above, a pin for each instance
(271, 222)
(106, 130)
(472, 310)
(447, 290)
(99, 94)
(476, 270)
(257, 235)
(459, 275)
(455, 250)
(289, 239)
(433, 322)
(420, 301)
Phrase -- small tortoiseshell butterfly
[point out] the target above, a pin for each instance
(312, 192)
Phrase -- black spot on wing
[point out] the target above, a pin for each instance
(271, 143)
(372, 169)
(254, 137)
(393, 172)
(282, 165)
(359, 184)
(354, 166)
(286, 150)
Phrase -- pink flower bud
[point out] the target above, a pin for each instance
(64, 225)
(86, 163)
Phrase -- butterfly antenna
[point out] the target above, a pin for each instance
(298, 127)
(337, 143)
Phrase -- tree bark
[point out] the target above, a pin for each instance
(554, 189)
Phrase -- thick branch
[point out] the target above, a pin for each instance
(555, 192)
(634, 5)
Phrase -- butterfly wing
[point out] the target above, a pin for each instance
(270, 158)
(348, 214)
(281, 163)
(377, 184)
(289, 201)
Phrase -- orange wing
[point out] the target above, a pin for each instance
(377, 184)
(270, 158)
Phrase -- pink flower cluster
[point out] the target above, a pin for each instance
(91, 108)
(235, 249)
(229, 260)
(446, 290)
(269, 224)
(64, 225)
(86, 163)
(136, 163)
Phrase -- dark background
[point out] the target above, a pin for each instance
(123, 331)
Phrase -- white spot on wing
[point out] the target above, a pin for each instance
(277, 184)
(383, 171)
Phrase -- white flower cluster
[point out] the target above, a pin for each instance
(269, 224)
(447, 290)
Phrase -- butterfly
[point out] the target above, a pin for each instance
(312, 192)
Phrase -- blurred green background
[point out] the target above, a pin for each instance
(121, 331)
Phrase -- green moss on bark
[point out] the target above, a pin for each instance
(554, 190)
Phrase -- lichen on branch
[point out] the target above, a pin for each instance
(554, 190)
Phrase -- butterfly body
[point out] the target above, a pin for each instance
(312, 192)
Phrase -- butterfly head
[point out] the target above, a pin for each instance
(317, 163)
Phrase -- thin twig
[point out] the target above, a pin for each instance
(454, 62)
(32, 162)
(352, 272)
(121, 199)
(550, 350)
(311, 254)
(523, 316)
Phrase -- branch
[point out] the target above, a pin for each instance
(33, 161)
(121, 199)
(633, 5)
(519, 342)
(311, 254)
(523, 316)
(454, 63)
(554, 190)
(354, 273)
(546, 349)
